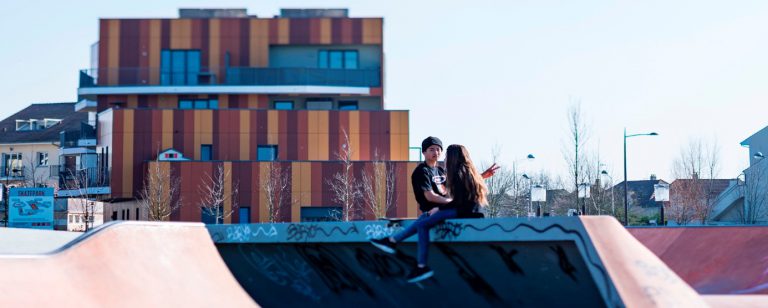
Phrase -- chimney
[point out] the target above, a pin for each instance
(653, 177)
(695, 176)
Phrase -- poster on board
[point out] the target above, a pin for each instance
(30, 208)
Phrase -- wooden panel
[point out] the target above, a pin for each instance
(263, 210)
(325, 31)
(206, 128)
(128, 133)
(306, 184)
(228, 191)
(245, 142)
(273, 122)
(413, 207)
(283, 31)
(259, 43)
(214, 44)
(296, 191)
(113, 55)
(322, 136)
(132, 101)
(181, 33)
(154, 51)
(372, 30)
(167, 129)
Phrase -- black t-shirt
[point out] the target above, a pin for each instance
(426, 178)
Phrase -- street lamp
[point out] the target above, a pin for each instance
(613, 208)
(530, 190)
(626, 192)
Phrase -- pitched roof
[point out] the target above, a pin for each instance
(717, 186)
(643, 190)
(747, 141)
(70, 121)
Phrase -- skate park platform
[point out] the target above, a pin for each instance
(554, 261)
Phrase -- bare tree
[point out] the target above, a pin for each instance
(276, 187)
(578, 134)
(160, 195)
(377, 187)
(215, 194)
(755, 189)
(508, 191)
(344, 185)
(692, 195)
(78, 180)
(33, 173)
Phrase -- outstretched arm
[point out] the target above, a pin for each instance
(490, 171)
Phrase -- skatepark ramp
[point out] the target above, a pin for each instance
(713, 260)
(557, 261)
(540, 262)
(127, 264)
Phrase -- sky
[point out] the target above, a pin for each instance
(494, 74)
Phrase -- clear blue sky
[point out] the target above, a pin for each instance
(481, 73)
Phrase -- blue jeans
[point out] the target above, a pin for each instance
(422, 226)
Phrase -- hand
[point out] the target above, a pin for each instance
(490, 171)
(433, 211)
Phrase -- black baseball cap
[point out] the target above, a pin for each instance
(430, 141)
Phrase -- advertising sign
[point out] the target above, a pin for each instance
(30, 208)
(661, 192)
(538, 193)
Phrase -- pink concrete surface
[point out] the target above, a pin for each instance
(713, 260)
(125, 265)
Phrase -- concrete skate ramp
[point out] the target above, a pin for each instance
(126, 264)
(557, 261)
(713, 260)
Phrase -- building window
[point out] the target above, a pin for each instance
(179, 67)
(244, 215)
(319, 104)
(206, 152)
(199, 104)
(71, 220)
(266, 152)
(114, 215)
(337, 59)
(128, 214)
(42, 158)
(137, 214)
(347, 105)
(284, 105)
(12, 164)
(321, 213)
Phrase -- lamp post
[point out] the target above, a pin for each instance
(613, 208)
(530, 192)
(626, 193)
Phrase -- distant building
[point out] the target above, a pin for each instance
(746, 198)
(220, 88)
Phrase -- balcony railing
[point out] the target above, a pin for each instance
(76, 179)
(231, 76)
(73, 139)
(12, 172)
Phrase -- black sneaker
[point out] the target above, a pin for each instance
(384, 244)
(419, 274)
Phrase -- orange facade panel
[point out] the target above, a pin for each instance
(235, 134)
(302, 187)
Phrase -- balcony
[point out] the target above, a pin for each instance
(12, 173)
(228, 80)
(78, 182)
(85, 137)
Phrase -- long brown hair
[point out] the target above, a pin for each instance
(461, 171)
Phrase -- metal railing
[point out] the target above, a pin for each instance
(241, 76)
(12, 172)
(70, 178)
(71, 139)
